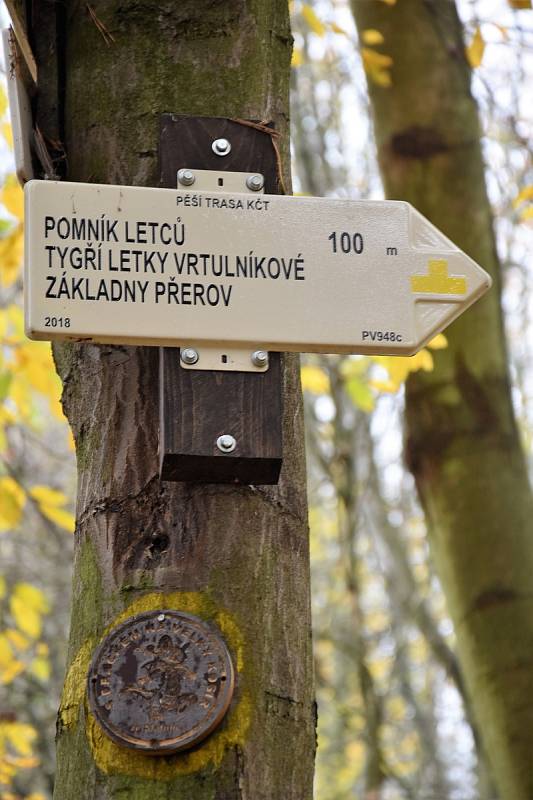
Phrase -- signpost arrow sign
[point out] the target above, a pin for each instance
(165, 267)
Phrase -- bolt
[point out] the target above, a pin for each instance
(226, 443)
(161, 618)
(186, 177)
(260, 358)
(189, 356)
(255, 182)
(221, 147)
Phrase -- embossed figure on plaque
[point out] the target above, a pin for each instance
(161, 682)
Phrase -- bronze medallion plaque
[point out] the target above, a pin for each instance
(161, 682)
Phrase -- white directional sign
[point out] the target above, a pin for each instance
(165, 267)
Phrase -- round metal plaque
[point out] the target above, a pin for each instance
(161, 682)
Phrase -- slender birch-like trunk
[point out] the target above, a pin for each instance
(463, 445)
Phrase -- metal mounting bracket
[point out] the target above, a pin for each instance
(218, 182)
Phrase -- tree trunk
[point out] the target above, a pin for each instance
(237, 556)
(462, 441)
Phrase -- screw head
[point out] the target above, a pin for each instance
(189, 356)
(260, 358)
(255, 182)
(226, 443)
(186, 177)
(160, 617)
(221, 147)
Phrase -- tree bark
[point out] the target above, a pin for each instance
(235, 555)
(462, 440)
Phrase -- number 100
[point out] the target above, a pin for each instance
(348, 242)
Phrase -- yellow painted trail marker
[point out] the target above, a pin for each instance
(179, 267)
(438, 281)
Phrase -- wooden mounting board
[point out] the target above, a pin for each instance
(196, 407)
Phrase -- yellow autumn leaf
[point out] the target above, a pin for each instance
(17, 639)
(418, 650)
(7, 133)
(377, 621)
(337, 29)
(410, 744)
(380, 668)
(25, 762)
(503, 30)
(422, 360)
(387, 387)
(359, 392)
(314, 380)
(397, 708)
(439, 342)
(40, 667)
(404, 768)
(11, 671)
(35, 367)
(20, 735)
(32, 597)
(523, 196)
(47, 496)
(4, 323)
(50, 503)
(297, 57)
(27, 619)
(389, 2)
(520, 5)
(355, 752)
(357, 366)
(13, 498)
(21, 397)
(27, 605)
(11, 255)
(10, 666)
(3, 101)
(526, 214)
(13, 197)
(64, 519)
(476, 49)
(313, 21)
(372, 36)
(6, 651)
(399, 367)
(16, 319)
(377, 67)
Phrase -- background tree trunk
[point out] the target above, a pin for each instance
(462, 441)
(236, 555)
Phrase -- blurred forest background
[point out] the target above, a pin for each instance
(394, 720)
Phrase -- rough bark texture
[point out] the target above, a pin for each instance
(238, 556)
(462, 440)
